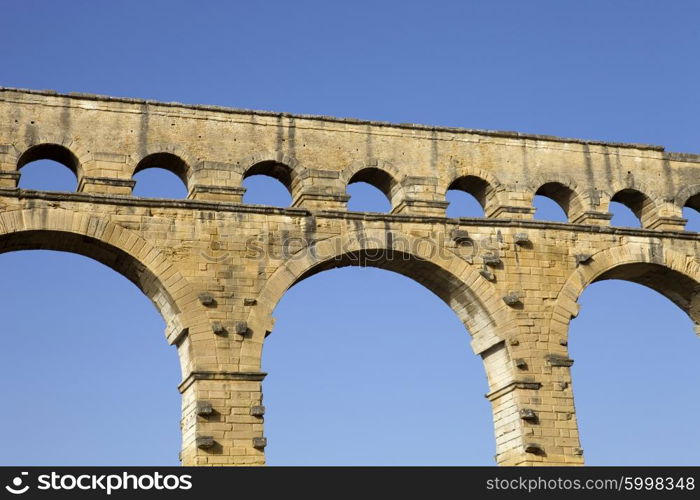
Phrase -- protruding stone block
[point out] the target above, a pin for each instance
(204, 408)
(205, 442)
(206, 299)
(218, 328)
(522, 239)
(528, 414)
(558, 360)
(534, 448)
(487, 274)
(259, 443)
(460, 236)
(257, 411)
(491, 260)
(583, 258)
(241, 328)
(512, 298)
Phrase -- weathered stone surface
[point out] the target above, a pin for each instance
(206, 299)
(257, 411)
(246, 256)
(528, 414)
(205, 442)
(204, 408)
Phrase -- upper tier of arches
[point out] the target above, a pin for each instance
(582, 203)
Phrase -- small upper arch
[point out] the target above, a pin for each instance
(561, 189)
(688, 201)
(278, 165)
(377, 173)
(480, 184)
(54, 152)
(51, 146)
(376, 177)
(689, 197)
(167, 161)
(272, 168)
(39, 178)
(641, 205)
(278, 192)
(161, 182)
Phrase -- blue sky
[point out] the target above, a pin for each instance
(89, 378)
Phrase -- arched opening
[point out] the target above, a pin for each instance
(636, 202)
(467, 196)
(691, 211)
(268, 183)
(356, 372)
(552, 202)
(48, 167)
(371, 190)
(622, 216)
(158, 183)
(89, 377)
(161, 175)
(636, 373)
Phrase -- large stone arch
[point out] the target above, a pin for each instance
(674, 275)
(472, 297)
(120, 249)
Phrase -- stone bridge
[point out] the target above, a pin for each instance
(215, 267)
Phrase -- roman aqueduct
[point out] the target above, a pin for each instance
(215, 267)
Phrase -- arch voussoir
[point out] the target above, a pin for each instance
(55, 223)
(606, 261)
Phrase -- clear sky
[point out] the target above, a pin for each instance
(365, 366)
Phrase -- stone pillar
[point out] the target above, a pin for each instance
(318, 189)
(592, 218)
(106, 185)
(533, 408)
(9, 179)
(216, 193)
(9, 175)
(511, 203)
(419, 196)
(222, 419)
(106, 173)
(666, 217)
(215, 181)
